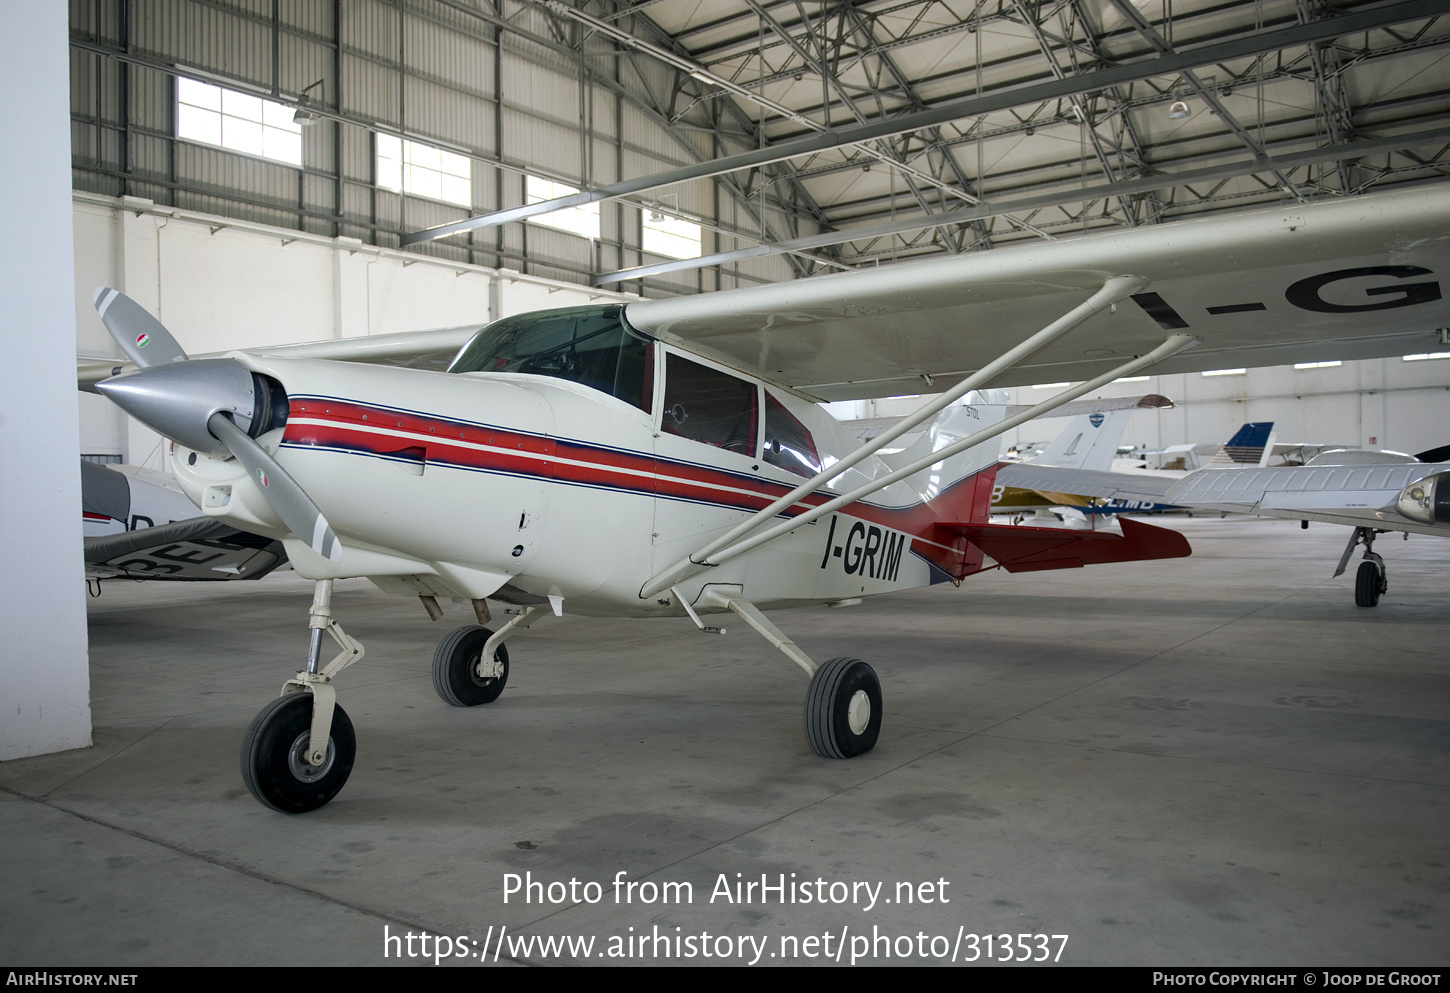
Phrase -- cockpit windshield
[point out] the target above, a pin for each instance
(591, 346)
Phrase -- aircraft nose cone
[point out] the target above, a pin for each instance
(177, 399)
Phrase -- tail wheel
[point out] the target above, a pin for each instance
(1369, 583)
(843, 709)
(274, 756)
(456, 665)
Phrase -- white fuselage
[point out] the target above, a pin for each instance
(520, 487)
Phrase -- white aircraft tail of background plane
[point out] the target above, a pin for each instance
(1089, 441)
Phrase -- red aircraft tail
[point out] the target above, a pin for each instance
(1029, 549)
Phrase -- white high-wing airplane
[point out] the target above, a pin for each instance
(1372, 492)
(666, 456)
(138, 524)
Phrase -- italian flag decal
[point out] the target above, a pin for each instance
(262, 478)
(142, 340)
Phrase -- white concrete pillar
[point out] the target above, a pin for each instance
(44, 669)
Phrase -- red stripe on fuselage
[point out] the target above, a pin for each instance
(370, 430)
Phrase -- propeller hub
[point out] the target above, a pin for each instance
(178, 399)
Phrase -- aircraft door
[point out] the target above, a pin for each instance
(707, 450)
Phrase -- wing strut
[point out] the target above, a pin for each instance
(1173, 343)
(1116, 288)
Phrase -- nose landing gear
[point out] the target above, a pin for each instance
(299, 750)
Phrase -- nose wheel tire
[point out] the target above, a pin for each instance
(274, 756)
(456, 665)
(843, 709)
(1369, 583)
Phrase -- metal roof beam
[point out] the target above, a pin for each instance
(1163, 65)
(966, 214)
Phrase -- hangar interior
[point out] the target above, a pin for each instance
(1210, 762)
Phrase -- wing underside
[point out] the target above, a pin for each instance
(1350, 278)
(200, 548)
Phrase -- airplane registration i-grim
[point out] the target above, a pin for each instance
(669, 458)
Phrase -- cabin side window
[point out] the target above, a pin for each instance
(591, 346)
(711, 407)
(788, 442)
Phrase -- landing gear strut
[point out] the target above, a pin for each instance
(276, 765)
(1372, 579)
(843, 703)
(459, 673)
(299, 750)
(471, 665)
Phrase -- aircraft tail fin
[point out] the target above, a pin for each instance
(1250, 445)
(1090, 441)
(958, 488)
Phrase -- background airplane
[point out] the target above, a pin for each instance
(138, 524)
(1372, 492)
(1036, 480)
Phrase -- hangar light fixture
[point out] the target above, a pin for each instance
(303, 116)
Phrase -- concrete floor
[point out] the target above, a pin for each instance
(1211, 761)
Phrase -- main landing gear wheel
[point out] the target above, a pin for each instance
(455, 668)
(843, 709)
(274, 756)
(1369, 583)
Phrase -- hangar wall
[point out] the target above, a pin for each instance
(494, 83)
(1371, 403)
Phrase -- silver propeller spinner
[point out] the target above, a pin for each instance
(211, 405)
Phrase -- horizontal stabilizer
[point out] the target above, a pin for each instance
(1026, 549)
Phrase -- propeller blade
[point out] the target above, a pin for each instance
(142, 337)
(287, 498)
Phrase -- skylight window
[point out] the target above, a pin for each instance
(1422, 356)
(583, 221)
(237, 122)
(672, 237)
(1330, 364)
(1225, 372)
(424, 171)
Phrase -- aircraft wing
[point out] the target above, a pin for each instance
(1355, 495)
(1142, 486)
(432, 349)
(1357, 277)
(199, 548)
(867, 428)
